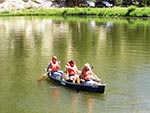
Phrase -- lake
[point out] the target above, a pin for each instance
(118, 49)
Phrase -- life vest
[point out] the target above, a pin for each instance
(71, 70)
(87, 74)
(54, 66)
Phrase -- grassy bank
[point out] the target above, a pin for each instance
(131, 11)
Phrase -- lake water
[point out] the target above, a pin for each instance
(118, 49)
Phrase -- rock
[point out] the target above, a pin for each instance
(14, 5)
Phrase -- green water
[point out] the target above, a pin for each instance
(118, 49)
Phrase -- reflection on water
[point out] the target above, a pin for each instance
(118, 49)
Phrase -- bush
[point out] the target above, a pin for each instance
(132, 11)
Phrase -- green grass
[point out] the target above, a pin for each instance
(131, 11)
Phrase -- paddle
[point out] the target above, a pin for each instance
(98, 80)
(42, 77)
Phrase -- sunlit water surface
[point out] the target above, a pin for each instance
(118, 49)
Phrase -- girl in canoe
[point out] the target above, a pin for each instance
(72, 71)
(54, 67)
(88, 76)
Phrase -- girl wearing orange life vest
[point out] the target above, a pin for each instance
(54, 67)
(72, 72)
(88, 75)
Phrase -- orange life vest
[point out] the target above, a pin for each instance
(87, 74)
(71, 70)
(54, 66)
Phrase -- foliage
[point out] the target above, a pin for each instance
(141, 12)
(132, 11)
(126, 3)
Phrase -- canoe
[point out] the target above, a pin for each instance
(90, 88)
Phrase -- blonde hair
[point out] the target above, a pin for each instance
(54, 57)
(87, 65)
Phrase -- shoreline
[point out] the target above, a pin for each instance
(30, 8)
(131, 11)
